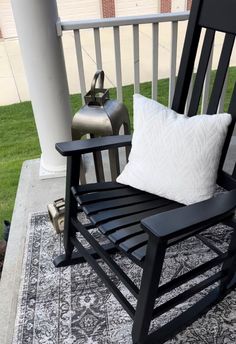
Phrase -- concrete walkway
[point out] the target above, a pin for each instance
(13, 83)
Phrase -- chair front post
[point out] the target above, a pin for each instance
(230, 265)
(71, 208)
(148, 291)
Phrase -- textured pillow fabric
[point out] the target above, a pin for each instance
(172, 155)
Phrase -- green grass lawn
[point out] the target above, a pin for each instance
(19, 141)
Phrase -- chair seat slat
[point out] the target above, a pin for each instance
(104, 216)
(140, 253)
(125, 221)
(93, 187)
(125, 233)
(118, 202)
(106, 195)
(131, 244)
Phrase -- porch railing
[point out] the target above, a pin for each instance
(135, 22)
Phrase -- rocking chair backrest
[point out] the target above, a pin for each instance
(213, 15)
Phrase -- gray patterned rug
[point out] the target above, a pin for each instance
(72, 306)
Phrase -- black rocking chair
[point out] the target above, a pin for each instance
(142, 225)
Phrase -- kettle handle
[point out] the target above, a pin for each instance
(94, 81)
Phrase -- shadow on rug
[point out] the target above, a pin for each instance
(72, 306)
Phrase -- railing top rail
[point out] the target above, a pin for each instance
(122, 21)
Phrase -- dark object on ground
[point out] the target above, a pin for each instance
(3, 246)
(6, 229)
(56, 212)
(144, 226)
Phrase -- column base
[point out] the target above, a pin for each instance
(44, 173)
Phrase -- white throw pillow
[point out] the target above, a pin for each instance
(172, 155)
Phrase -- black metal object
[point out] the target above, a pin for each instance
(97, 96)
(6, 229)
(142, 225)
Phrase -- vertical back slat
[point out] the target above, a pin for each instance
(188, 58)
(136, 58)
(98, 52)
(155, 44)
(190, 92)
(173, 57)
(201, 71)
(221, 73)
(223, 94)
(116, 33)
(232, 105)
(206, 86)
(80, 63)
(232, 111)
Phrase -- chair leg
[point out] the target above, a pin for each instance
(149, 284)
(230, 265)
(72, 178)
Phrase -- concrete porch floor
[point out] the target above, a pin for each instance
(33, 195)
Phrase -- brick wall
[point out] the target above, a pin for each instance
(189, 4)
(165, 6)
(108, 8)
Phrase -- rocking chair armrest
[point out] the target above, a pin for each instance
(78, 147)
(196, 216)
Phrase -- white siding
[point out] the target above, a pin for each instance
(78, 9)
(68, 10)
(135, 7)
(7, 22)
(179, 5)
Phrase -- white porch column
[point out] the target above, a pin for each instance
(45, 70)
